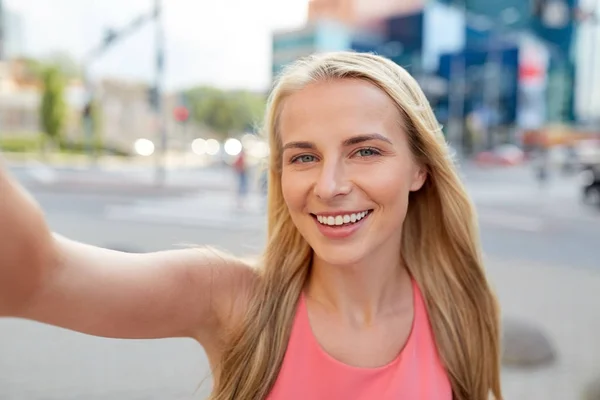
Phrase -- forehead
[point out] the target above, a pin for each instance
(345, 106)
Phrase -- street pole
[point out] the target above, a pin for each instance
(456, 102)
(110, 38)
(491, 89)
(2, 32)
(88, 129)
(456, 93)
(595, 33)
(158, 100)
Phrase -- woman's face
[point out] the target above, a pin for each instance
(347, 169)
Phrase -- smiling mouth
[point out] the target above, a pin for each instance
(342, 219)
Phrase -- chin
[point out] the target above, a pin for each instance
(349, 254)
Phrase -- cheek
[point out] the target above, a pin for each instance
(293, 191)
(389, 187)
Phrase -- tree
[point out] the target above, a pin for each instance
(34, 68)
(67, 65)
(225, 112)
(53, 109)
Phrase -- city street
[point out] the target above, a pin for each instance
(546, 231)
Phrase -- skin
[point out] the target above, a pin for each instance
(345, 149)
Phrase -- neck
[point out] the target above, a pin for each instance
(359, 293)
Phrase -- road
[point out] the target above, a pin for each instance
(45, 363)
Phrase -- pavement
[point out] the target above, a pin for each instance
(547, 273)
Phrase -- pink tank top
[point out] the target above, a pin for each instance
(309, 373)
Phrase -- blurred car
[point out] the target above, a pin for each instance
(589, 156)
(504, 155)
(590, 182)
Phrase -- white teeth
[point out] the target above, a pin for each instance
(341, 219)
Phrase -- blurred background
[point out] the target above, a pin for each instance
(136, 126)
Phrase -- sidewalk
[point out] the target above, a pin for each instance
(565, 303)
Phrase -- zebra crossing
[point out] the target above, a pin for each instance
(208, 209)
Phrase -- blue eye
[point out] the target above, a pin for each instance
(367, 152)
(304, 158)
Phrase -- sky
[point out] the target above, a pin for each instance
(225, 43)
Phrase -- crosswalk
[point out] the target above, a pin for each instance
(207, 209)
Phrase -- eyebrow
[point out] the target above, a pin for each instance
(354, 140)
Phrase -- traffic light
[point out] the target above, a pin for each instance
(110, 35)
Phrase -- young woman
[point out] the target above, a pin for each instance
(371, 285)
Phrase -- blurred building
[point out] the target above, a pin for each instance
(353, 12)
(14, 35)
(513, 63)
(127, 115)
(316, 37)
(20, 98)
(414, 38)
(125, 112)
(588, 60)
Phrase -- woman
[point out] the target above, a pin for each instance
(371, 285)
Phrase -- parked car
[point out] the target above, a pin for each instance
(589, 157)
(503, 155)
(590, 184)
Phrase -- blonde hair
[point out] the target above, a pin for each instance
(440, 247)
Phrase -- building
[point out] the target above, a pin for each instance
(316, 37)
(587, 58)
(19, 101)
(521, 58)
(20, 97)
(127, 116)
(14, 35)
(356, 12)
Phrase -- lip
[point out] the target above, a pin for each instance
(340, 232)
(336, 213)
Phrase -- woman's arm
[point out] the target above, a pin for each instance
(51, 279)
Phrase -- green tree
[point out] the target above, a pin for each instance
(225, 112)
(53, 109)
(67, 65)
(35, 68)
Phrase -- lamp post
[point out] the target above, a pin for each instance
(595, 42)
(160, 173)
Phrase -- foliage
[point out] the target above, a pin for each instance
(67, 65)
(35, 68)
(53, 109)
(225, 112)
(34, 142)
(23, 143)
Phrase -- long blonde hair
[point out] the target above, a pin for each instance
(440, 246)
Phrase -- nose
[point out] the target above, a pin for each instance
(332, 181)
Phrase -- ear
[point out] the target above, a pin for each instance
(418, 179)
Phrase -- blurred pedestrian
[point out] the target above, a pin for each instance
(372, 283)
(264, 186)
(241, 169)
(543, 163)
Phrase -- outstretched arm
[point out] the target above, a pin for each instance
(51, 279)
